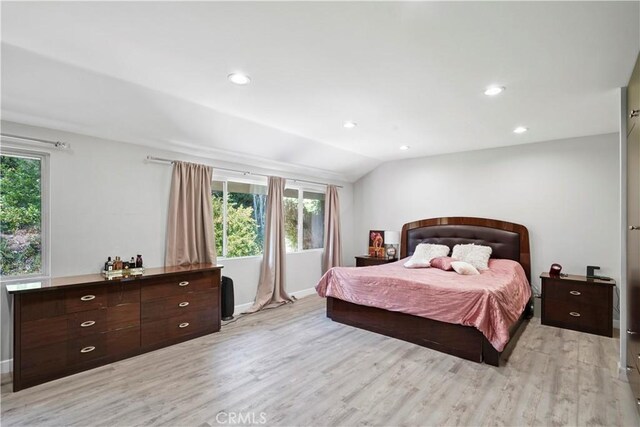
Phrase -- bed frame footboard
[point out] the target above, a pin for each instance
(462, 341)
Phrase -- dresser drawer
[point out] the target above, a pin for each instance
(178, 305)
(45, 361)
(85, 323)
(38, 333)
(633, 375)
(178, 285)
(86, 349)
(85, 298)
(175, 327)
(41, 305)
(123, 316)
(123, 293)
(577, 315)
(123, 342)
(564, 290)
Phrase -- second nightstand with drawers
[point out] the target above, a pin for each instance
(575, 302)
(366, 261)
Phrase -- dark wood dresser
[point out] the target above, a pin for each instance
(575, 302)
(365, 261)
(71, 324)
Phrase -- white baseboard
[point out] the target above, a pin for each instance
(304, 293)
(298, 294)
(6, 366)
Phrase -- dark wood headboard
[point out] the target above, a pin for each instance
(508, 240)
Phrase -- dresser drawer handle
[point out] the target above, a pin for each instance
(574, 314)
(87, 323)
(183, 304)
(88, 297)
(87, 349)
(185, 283)
(183, 325)
(574, 293)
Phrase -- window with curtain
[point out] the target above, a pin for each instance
(304, 219)
(239, 217)
(23, 213)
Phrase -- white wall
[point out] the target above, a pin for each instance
(565, 192)
(106, 200)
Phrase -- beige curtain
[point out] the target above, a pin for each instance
(190, 238)
(271, 287)
(332, 256)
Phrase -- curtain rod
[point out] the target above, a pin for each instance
(57, 144)
(161, 160)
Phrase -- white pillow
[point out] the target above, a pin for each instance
(464, 268)
(424, 253)
(476, 255)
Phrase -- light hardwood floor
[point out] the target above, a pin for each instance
(296, 367)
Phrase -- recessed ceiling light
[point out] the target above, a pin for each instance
(239, 78)
(349, 124)
(520, 129)
(404, 147)
(494, 90)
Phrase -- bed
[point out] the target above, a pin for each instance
(508, 241)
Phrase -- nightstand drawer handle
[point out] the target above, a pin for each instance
(88, 297)
(183, 304)
(183, 325)
(574, 293)
(574, 314)
(87, 323)
(185, 283)
(630, 332)
(87, 349)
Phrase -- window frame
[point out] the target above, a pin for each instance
(301, 188)
(45, 208)
(242, 179)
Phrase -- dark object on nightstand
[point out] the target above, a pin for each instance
(366, 261)
(555, 270)
(591, 273)
(578, 303)
(228, 299)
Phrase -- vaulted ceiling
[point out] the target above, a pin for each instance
(409, 73)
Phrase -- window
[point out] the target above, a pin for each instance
(23, 213)
(313, 220)
(238, 215)
(291, 219)
(304, 219)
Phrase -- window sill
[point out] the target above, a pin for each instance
(306, 251)
(34, 277)
(220, 258)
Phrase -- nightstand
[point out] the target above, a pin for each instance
(366, 261)
(575, 302)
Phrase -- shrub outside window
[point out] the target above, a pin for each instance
(239, 216)
(23, 214)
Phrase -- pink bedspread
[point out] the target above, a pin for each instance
(491, 301)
